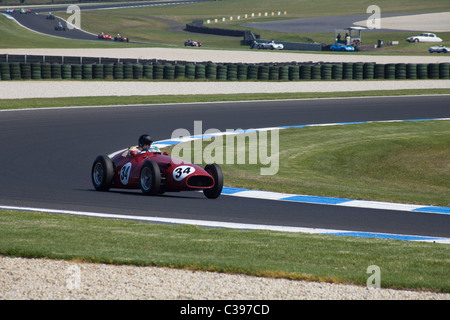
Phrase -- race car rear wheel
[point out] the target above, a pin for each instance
(150, 178)
(102, 173)
(216, 172)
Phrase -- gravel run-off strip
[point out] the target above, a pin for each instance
(41, 279)
(62, 89)
(229, 56)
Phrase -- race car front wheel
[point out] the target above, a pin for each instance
(216, 172)
(150, 178)
(102, 173)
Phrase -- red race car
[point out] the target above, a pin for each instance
(155, 173)
(103, 36)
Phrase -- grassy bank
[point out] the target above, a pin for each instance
(164, 25)
(421, 266)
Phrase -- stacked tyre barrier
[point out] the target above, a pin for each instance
(224, 71)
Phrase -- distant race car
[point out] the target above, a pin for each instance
(424, 37)
(103, 36)
(438, 49)
(50, 16)
(120, 38)
(267, 45)
(154, 173)
(60, 27)
(341, 47)
(25, 11)
(11, 10)
(192, 43)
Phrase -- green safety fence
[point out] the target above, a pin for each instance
(225, 71)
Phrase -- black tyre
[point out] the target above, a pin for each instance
(150, 178)
(102, 173)
(216, 172)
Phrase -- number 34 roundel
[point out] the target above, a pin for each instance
(182, 172)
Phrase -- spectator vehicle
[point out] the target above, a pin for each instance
(424, 37)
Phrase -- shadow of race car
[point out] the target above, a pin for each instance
(154, 173)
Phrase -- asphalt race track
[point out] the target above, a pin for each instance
(39, 23)
(321, 24)
(47, 156)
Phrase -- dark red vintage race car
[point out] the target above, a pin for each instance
(155, 173)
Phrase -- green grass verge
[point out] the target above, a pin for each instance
(406, 162)
(403, 265)
(32, 103)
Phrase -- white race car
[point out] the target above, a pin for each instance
(192, 43)
(438, 49)
(267, 45)
(424, 37)
(10, 10)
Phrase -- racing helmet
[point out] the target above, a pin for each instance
(145, 139)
